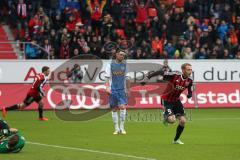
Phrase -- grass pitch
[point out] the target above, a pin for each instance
(213, 134)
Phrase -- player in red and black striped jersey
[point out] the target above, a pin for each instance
(173, 108)
(35, 93)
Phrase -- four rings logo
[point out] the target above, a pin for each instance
(84, 99)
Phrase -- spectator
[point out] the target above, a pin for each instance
(138, 54)
(165, 68)
(75, 75)
(50, 6)
(35, 26)
(169, 48)
(146, 48)
(226, 55)
(21, 18)
(46, 25)
(54, 40)
(52, 54)
(140, 34)
(222, 31)
(157, 48)
(201, 54)
(187, 53)
(87, 33)
(129, 28)
(108, 26)
(64, 49)
(141, 11)
(190, 34)
(176, 25)
(83, 45)
(75, 53)
(47, 47)
(115, 10)
(128, 9)
(95, 46)
(96, 9)
(58, 22)
(65, 35)
(238, 55)
(32, 51)
(190, 7)
(72, 21)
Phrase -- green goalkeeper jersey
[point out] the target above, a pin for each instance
(17, 148)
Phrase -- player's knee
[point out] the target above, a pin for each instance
(182, 121)
(171, 119)
(40, 105)
(114, 109)
(122, 107)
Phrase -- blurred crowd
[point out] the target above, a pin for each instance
(152, 29)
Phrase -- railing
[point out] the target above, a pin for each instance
(20, 48)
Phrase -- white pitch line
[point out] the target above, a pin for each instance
(90, 150)
(223, 118)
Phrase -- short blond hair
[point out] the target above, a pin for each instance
(184, 65)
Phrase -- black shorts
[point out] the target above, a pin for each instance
(29, 99)
(173, 108)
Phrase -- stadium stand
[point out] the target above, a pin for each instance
(6, 49)
(180, 29)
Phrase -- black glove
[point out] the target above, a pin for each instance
(144, 81)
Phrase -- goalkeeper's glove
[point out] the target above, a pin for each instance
(4, 132)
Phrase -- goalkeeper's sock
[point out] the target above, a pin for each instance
(40, 112)
(115, 120)
(179, 132)
(13, 107)
(122, 118)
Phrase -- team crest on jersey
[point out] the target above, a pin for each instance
(122, 67)
(187, 84)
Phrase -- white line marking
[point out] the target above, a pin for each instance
(193, 119)
(223, 118)
(90, 150)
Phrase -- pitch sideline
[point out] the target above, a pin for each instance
(90, 150)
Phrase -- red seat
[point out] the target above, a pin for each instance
(6, 49)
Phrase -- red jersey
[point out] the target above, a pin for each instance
(36, 89)
(178, 85)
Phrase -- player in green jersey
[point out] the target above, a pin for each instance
(11, 140)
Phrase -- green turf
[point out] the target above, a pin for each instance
(211, 135)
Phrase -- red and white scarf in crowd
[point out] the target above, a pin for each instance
(22, 10)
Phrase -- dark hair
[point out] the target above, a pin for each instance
(45, 68)
(13, 141)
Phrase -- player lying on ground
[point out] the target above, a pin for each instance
(11, 141)
(35, 93)
(118, 84)
(173, 107)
